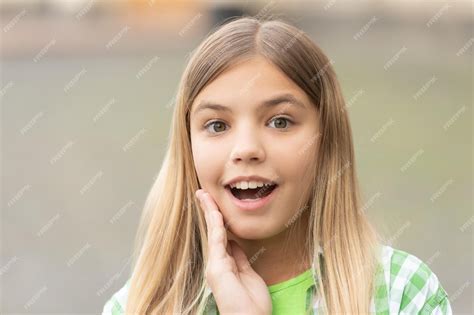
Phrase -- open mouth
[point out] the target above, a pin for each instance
(251, 193)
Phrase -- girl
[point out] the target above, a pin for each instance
(260, 136)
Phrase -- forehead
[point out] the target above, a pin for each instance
(250, 83)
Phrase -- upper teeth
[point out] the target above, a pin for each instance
(247, 185)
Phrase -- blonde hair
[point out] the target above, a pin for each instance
(170, 256)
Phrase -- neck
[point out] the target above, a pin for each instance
(280, 257)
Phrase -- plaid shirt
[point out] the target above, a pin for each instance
(404, 285)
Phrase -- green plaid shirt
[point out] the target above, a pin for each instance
(404, 285)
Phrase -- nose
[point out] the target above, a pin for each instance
(247, 147)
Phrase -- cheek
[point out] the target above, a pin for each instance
(208, 164)
(201, 162)
(296, 156)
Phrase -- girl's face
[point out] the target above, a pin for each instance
(264, 125)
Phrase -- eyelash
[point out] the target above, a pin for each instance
(276, 117)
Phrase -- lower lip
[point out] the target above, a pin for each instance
(252, 204)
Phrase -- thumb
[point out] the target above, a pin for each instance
(240, 258)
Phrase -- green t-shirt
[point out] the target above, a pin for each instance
(290, 296)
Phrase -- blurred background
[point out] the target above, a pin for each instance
(87, 90)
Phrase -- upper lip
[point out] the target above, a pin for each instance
(249, 178)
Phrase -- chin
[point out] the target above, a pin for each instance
(250, 231)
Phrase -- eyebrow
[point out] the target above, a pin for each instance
(273, 102)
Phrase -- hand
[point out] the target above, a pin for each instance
(236, 287)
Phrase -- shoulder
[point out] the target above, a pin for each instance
(407, 285)
(117, 302)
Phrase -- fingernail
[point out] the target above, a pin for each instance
(199, 195)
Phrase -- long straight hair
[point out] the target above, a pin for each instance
(169, 265)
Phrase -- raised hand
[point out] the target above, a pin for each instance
(236, 287)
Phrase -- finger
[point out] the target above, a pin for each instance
(198, 195)
(207, 218)
(206, 209)
(217, 236)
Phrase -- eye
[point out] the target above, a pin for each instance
(217, 123)
(281, 121)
